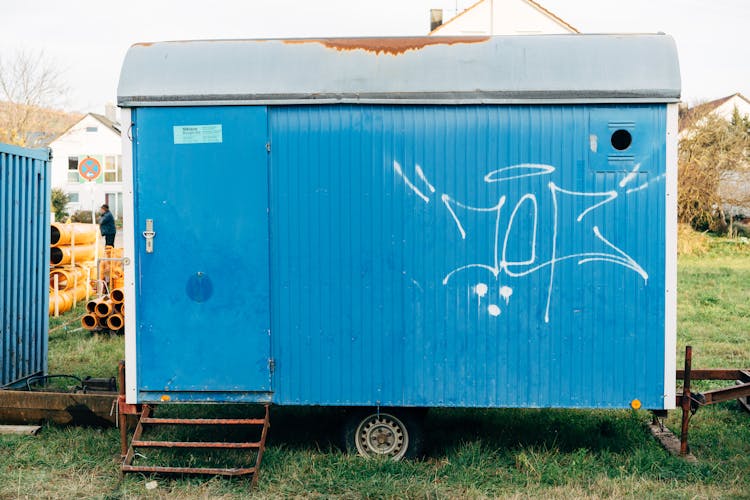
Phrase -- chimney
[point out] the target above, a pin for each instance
(436, 18)
(110, 111)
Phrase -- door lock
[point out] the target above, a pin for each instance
(149, 235)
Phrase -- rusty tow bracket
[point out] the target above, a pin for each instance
(691, 401)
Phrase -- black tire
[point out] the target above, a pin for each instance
(395, 433)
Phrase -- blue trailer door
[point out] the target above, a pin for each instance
(202, 286)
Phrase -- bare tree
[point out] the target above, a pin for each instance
(712, 152)
(30, 84)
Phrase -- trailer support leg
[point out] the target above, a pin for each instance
(122, 418)
(685, 403)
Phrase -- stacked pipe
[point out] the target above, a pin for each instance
(105, 313)
(111, 270)
(75, 248)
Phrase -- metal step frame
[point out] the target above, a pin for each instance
(146, 419)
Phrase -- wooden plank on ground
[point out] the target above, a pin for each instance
(670, 442)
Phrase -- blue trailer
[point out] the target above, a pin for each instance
(387, 224)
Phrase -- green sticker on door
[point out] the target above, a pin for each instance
(197, 134)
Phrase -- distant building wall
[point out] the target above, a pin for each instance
(97, 139)
(738, 101)
(504, 17)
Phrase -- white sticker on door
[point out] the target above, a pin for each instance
(197, 134)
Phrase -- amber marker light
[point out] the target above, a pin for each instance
(165, 397)
(635, 404)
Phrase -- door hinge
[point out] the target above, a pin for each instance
(271, 365)
(268, 147)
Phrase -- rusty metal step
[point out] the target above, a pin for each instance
(188, 470)
(203, 421)
(192, 444)
(147, 419)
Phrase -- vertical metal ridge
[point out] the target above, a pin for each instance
(4, 266)
(24, 242)
(362, 310)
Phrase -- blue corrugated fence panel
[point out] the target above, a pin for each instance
(24, 261)
(467, 255)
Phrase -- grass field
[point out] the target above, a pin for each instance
(471, 453)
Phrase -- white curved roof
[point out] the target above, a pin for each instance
(504, 69)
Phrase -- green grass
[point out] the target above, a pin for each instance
(713, 309)
(471, 453)
(75, 351)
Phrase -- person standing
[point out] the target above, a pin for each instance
(107, 225)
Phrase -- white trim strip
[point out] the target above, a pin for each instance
(670, 262)
(128, 225)
(158, 101)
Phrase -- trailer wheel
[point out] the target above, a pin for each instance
(390, 433)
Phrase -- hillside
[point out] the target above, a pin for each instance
(31, 126)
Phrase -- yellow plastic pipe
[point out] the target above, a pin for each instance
(117, 296)
(103, 308)
(115, 322)
(64, 299)
(91, 304)
(90, 322)
(66, 277)
(80, 291)
(114, 252)
(59, 256)
(63, 234)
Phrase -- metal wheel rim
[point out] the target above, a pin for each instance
(382, 436)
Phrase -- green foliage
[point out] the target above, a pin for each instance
(740, 121)
(82, 216)
(59, 201)
(471, 453)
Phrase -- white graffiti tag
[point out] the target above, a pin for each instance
(501, 264)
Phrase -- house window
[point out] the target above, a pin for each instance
(73, 169)
(91, 129)
(113, 168)
(73, 198)
(114, 200)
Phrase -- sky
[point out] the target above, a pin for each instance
(87, 39)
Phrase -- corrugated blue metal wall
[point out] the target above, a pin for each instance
(468, 255)
(24, 261)
(487, 256)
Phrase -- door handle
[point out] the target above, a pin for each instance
(149, 234)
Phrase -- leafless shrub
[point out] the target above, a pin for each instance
(30, 84)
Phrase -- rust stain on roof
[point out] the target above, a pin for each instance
(392, 46)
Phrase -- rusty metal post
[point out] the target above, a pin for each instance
(686, 400)
(122, 418)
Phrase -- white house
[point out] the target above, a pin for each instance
(501, 17)
(725, 106)
(90, 147)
